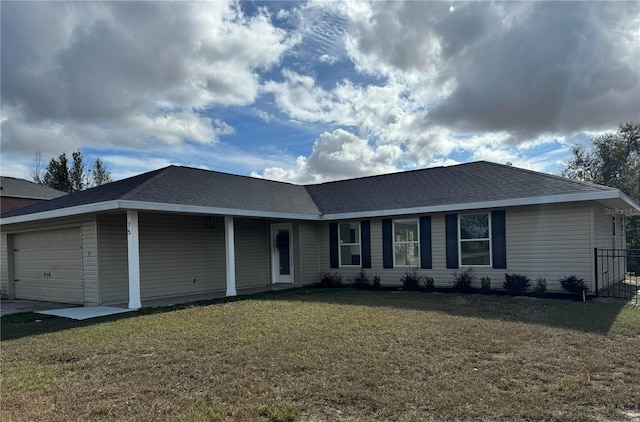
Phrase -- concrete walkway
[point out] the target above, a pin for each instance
(19, 305)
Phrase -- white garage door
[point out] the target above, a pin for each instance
(48, 265)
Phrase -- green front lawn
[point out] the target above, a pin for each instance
(314, 354)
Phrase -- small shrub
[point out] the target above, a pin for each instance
(541, 286)
(573, 284)
(411, 280)
(376, 282)
(429, 282)
(361, 280)
(462, 280)
(328, 279)
(516, 283)
(485, 284)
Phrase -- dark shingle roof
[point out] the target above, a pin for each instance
(466, 183)
(20, 188)
(479, 181)
(190, 186)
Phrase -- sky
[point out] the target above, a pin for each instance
(307, 92)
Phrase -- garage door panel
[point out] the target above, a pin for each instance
(48, 265)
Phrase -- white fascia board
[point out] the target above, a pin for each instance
(195, 209)
(151, 206)
(62, 212)
(536, 200)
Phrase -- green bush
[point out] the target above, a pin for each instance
(361, 280)
(485, 284)
(376, 282)
(328, 279)
(516, 283)
(573, 284)
(411, 280)
(463, 280)
(541, 286)
(429, 282)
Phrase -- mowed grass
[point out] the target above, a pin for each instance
(314, 354)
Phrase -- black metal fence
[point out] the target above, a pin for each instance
(618, 273)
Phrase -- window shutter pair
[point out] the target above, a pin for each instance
(498, 240)
(425, 243)
(365, 244)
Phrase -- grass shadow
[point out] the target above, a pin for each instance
(594, 316)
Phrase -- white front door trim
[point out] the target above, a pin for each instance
(276, 277)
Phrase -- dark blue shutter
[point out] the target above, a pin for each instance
(387, 243)
(333, 245)
(425, 242)
(451, 233)
(365, 228)
(498, 239)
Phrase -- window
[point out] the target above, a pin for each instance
(349, 239)
(406, 243)
(475, 239)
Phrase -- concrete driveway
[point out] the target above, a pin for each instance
(18, 305)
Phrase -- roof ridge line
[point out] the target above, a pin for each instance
(157, 172)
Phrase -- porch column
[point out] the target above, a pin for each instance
(229, 245)
(133, 254)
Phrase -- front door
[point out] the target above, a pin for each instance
(281, 255)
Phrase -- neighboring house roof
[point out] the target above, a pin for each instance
(183, 189)
(20, 188)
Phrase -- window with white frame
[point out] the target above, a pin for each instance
(406, 243)
(349, 238)
(475, 239)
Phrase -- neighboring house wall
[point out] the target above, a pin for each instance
(175, 250)
(550, 241)
(252, 253)
(87, 225)
(8, 203)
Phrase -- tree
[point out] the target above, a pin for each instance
(57, 174)
(35, 171)
(612, 160)
(99, 173)
(77, 176)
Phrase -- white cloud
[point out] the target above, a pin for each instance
(338, 155)
(128, 73)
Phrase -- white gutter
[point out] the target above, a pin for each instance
(193, 209)
(151, 206)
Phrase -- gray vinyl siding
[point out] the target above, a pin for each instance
(307, 251)
(4, 266)
(113, 263)
(87, 224)
(90, 263)
(297, 268)
(174, 250)
(251, 252)
(550, 241)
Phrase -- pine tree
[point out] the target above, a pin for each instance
(77, 175)
(100, 174)
(57, 174)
